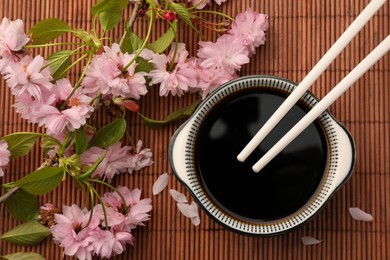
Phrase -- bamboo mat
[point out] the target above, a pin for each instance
(300, 32)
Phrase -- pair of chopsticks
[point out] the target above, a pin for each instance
(332, 96)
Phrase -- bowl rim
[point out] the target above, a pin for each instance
(244, 226)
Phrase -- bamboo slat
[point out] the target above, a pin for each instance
(300, 33)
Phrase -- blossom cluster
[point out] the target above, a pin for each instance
(83, 233)
(40, 101)
(37, 99)
(216, 62)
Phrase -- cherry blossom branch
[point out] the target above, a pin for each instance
(134, 15)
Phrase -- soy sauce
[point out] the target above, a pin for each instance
(285, 185)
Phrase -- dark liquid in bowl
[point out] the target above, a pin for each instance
(285, 184)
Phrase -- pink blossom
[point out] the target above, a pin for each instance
(108, 243)
(28, 76)
(71, 233)
(212, 78)
(29, 108)
(105, 75)
(12, 40)
(141, 159)
(250, 27)
(179, 79)
(4, 156)
(115, 161)
(228, 53)
(138, 209)
(77, 110)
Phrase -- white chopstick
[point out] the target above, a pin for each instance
(318, 69)
(320, 107)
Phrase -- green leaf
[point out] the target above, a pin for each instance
(174, 116)
(162, 43)
(110, 134)
(184, 14)
(48, 29)
(182, 11)
(143, 65)
(131, 43)
(81, 141)
(48, 142)
(27, 234)
(39, 182)
(23, 206)
(20, 144)
(109, 6)
(109, 20)
(110, 12)
(23, 256)
(59, 62)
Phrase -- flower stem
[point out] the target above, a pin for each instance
(101, 202)
(52, 44)
(213, 12)
(61, 57)
(130, 24)
(130, 139)
(72, 65)
(92, 205)
(79, 81)
(114, 189)
(172, 62)
(144, 43)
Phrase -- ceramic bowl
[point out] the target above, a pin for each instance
(339, 150)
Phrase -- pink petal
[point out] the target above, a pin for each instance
(179, 197)
(188, 210)
(360, 215)
(307, 241)
(160, 184)
(195, 221)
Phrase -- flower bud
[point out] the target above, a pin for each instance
(170, 16)
(127, 103)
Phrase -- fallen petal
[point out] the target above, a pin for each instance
(187, 210)
(179, 197)
(360, 215)
(160, 184)
(195, 221)
(307, 241)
